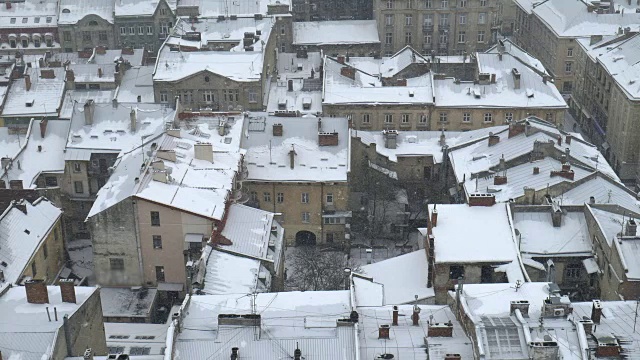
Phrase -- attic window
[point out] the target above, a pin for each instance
(93, 23)
(66, 11)
(30, 103)
(26, 231)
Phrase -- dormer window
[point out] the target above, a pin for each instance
(93, 23)
(65, 11)
(13, 20)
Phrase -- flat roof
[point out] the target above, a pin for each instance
(343, 32)
(127, 302)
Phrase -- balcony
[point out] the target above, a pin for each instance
(427, 28)
(443, 27)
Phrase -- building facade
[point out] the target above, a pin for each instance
(144, 29)
(316, 10)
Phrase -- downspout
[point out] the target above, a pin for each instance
(321, 212)
(67, 335)
(135, 223)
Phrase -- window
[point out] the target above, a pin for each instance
(164, 97)
(388, 38)
(305, 198)
(164, 29)
(389, 4)
(428, 39)
(45, 251)
(157, 241)
(132, 30)
(34, 269)
(462, 19)
(573, 271)
(115, 349)
(76, 167)
(463, 3)
(66, 35)
(266, 196)
(51, 181)
(253, 96)
(36, 20)
(149, 30)
(155, 218)
(443, 117)
(550, 117)
(388, 118)
(568, 66)
(462, 36)
(444, 38)
(254, 196)
(423, 119)
(77, 185)
(508, 116)
(140, 30)
(481, 36)
(123, 30)
(388, 19)
(24, 20)
(280, 198)
(139, 350)
(483, 3)
(408, 20)
(49, 20)
(569, 52)
(13, 20)
(365, 118)
(102, 35)
(405, 118)
(163, 11)
(407, 37)
(305, 217)
(160, 273)
(409, 4)
(116, 264)
(428, 20)
(207, 96)
(488, 117)
(86, 35)
(329, 237)
(329, 198)
(456, 272)
(444, 20)
(482, 18)
(466, 117)
(567, 86)
(282, 29)
(444, 4)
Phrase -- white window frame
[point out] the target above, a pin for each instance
(329, 198)
(149, 30)
(388, 118)
(488, 117)
(443, 117)
(406, 118)
(466, 117)
(164, 97)
(304, 198)
(366, 118)
(123, 30)
(306, 217)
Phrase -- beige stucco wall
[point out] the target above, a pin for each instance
(47, 267)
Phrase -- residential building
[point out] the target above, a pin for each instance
(29, 26)
(297, 90)
(314, 10)
(143, 24)
(353, 37)
(442, 27)
(299, 168)
(136, 339)
(32, 243)
(61, 321)
(87, 24)
(549, 31)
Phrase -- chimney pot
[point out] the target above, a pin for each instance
(277, 129)
(292, 157)
(493, 139)
(36, 292)
(383, 332)
(88, 112)
(536, 170)
(415, 317)
(133, 118)
(395, 316)
(596, 311)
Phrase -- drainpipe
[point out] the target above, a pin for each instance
(67, 335)
(321, 212)
(135, 224)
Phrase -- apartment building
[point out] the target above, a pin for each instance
(143, 24)
(29, 26)
(444, 27)
(86, 24)
(317, 10)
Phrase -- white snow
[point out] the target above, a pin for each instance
(539, 236)
(44, 98)
(136, 82)
(231, 274)
(45, 11)
(335, 32)
(72, 11)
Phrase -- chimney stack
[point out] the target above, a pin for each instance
(630, 228)
(516, 78)
(36, 292)
(88, 112)
(434, 216)
(592, 200)
(390, 138)
(569, 138)
(88, 354)
(383, 332)
(297, 353)
(596, 312)
(440, 330)
(341, 59)
(277, 129)
(556, 215)
(493, 139)
(203, 151)
(536, 170)
(328, 139)
(67, 290)
(133, 119)
(559, 140)
(43, 127)
(522, 305)
(27, 82)
(289, 85)
(8, 3)
(234, 353)
(415, 317)
(292, 157)
(99, 72)
(395, 316)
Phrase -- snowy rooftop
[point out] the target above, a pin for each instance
(77, 98)
(268, 156)
(403, 277)
(622, 62)
(495, 299)
(213, 8)
(214, 31)
(307, 84)
(532, 91)
(604, 190)
(136, 83)
(30, 14)
(43, 98)
(109, 57)
(392, 65)
(237, 66)
(126, 302)
(139, 7)
(517, 52)
(407, 341)
(22, 234)
(39, 155)
(344, 32)
(538, 236)
(93, 73)
(72, 11)
(288, 319)
(10, 143)
(25, 331)
(618, 319)
(628, 247)
(233, 274)
(571, 19)
(136, 335)
(112, 127)
(367, 88)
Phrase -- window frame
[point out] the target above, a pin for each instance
(156, 242)
(116, 264)
(154, 217)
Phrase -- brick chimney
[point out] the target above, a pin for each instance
(348, 72)
(277, 129)
(401, 82)
(440, 330)
(99, 72)
(452, 357)
(27, 82)
(292, 157)
(67, 290)
(568, 139)
(47, 74)
(516, 129)
(536, 170)
(516, 78)
(481, 199)
(587, 324)
(43, 127)
(415, 317)
(101, 50)
(390, 138)
(493, 139)
(596, 311)
(36, 292)
(383, 332)
(566, 172)
(559, 140)
(133, 118)
(395, 316)
(8, 3)
(499, 180)
(522, 305)
(545, 349)
(434, 217)
(328, 139)
(340, 59)
(70, 75)
(556, 215)
(88, 112)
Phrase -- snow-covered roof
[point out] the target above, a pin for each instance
(130, 335)
(10, 143)
(403, 277)
(519, 53)
(392, 65)
(472, 234)
(238, 66)
(268, 157)
(111, 127)
(618, 319)
(30, 14)
(213, 30)
(622, 62)
(127, 302)
(214, 8)
(140, 7)
(367, 88)
(343, 32)
(72, 11)
(77, 98)
(306, 320)
(571, 18)
(304, 73)
(533, 92)
(538, 236)
(136, 82)
(22, 234)
(43, 98)
(93, 73)
(233, 274)
(628, 247)
(604, 190)
(495, 299)
(25, 331)
(40, 155)
(407, 341)
(104, 57)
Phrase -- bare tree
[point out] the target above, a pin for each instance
(313, 269)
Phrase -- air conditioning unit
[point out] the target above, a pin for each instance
(558, 312)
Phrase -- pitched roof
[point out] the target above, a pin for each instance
(335, 32)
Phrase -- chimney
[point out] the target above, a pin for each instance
(88, 112)
(395, 316)
(596, 312)
(516, 129)
(568, 139)
(481, 199)
(556, 215)
(99, 72)
(203, 151)
(43, 127)
(67, 290)
(277, 129)
(415, 317)
(70, 76)
(328, 139)
(36, 292)
(594, 39)
(443, 139)
(587, 324)
(516, 78)
(8, 3)
(536, 170)
(292, 157)
(27, 82)
(545, 349)
(592, 200)
(297, 353)
(88, 354)
(452, 357)
(493, 139)
(47, 73)
(348, 72)
(341, 59)
(434, 217)
(101, 50)
(383, 332)
(522, 305)
(608, 347)
(499, 180)
(559, 140)
(499, 56)
(133, 119)
(440, 330)
(493, 78)
(290, 85)
(630, 228)
(390, 138)
(545, 78)
(401, 82)
(139, 98)
(234, 353)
